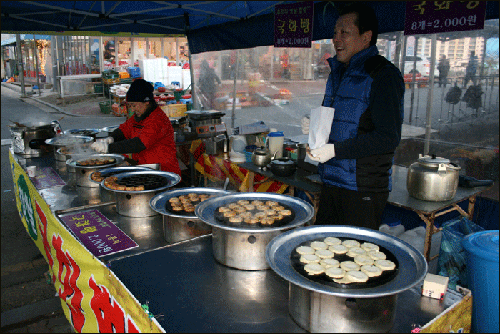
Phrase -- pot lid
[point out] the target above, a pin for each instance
(68, 140)
(73, 162)
(433, 161)
(206, 211)
(483, 244)
(276, 134)
(262, 151)
(412, 265)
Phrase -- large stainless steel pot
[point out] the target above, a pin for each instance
(82, 172)
(29, 140)
(318, 307)
(178, 227)
(136, 203)
(432, 179)
(244, 247)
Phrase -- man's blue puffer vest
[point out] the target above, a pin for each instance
(351, 100)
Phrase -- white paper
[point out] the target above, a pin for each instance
(320, 126)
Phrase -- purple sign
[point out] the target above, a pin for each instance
(431, 17)
(47, 178)
(97, 233)
(293, 25)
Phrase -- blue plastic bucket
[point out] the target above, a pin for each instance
(482, 274)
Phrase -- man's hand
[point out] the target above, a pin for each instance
(100, 146)
(323, 154)
(304, 124)
(109, 140)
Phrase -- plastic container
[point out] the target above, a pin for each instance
(105, 107)
(275, 142)
(482, 274)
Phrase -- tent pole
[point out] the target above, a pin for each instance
(20, 64)
(430, 95)
(35, 49)
(196, 103)
(234, 87)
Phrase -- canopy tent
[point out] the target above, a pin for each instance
(208, 25)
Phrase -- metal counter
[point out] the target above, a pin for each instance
(189, 291)
(147, 232)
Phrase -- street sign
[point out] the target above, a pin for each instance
(430, 17)
(293, 24)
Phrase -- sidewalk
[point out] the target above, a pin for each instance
(83, 105)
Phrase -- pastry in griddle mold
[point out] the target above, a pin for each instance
(355, 251)
(329, 262)
(233, 205)
(243, 202)
(335, 272)
(229, 214)
(324, 253)
(350, 243)
(271, 203)
(357, 276)
(371, 270)
(286, 212)
(338, 249)
(267, 221)
(377, 255)
(363, 260)
(174, 200)
(249, 207)
(309, 258)
(319, 245)
(235, 219)
(385, 264)
(369, 247)
(314, 268)
(330, 241)
(349, 265)
(224, 209)
(257, 202)
(343, 280)
(303, 250)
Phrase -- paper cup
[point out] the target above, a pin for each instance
(31, 170)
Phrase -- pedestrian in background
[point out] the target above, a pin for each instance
(207, 83)
(443, 68)
(470, 70)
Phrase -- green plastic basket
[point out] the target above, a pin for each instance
(105, 107)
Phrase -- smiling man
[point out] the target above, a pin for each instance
(366, 91)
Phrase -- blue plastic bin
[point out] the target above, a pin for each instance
(134, 72)
(482, 274)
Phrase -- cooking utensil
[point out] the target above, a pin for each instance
(136, 203)
(82, 172)
(261, 157)
(283, 167)
(69, 140)
(432, 179)
(104, 194)
(179, 227)
(319, 307)
(83, 132)
(242, 246)
(29, 139)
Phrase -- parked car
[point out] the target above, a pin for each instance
(423, 66)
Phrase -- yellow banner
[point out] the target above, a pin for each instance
(92, 297)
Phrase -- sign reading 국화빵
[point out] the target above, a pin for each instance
(431, 17)
(293, 25)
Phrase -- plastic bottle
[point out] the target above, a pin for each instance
(435, 247)
(392, 229)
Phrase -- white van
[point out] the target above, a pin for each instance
(423, 66)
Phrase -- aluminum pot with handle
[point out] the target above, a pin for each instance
(29, 139)
(432, 179)
(261, 157)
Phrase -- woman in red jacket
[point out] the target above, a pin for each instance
(148, 135)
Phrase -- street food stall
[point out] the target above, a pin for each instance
(116, 235)
(130, 250)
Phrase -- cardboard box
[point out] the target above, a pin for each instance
(435, 286)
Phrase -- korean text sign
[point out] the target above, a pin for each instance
(430, 17)
(293, 25)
